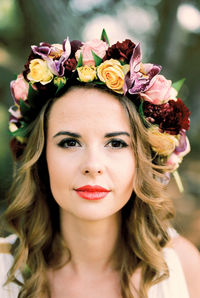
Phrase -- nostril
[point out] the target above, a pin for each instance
(92, 171)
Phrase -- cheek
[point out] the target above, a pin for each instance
(59, 171)
(125, 173)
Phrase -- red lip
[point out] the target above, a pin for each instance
(94, 192)
(92, 188)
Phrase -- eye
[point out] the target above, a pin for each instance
(117, 144)
(68, 143)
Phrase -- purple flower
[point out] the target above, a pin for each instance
(182, 142)
(55, 55)
(139, 79)
(180, 151)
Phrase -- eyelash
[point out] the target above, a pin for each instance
(121, 143)
(65, 143)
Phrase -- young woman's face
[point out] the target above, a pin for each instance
(89, 156)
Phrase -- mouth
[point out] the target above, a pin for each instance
(89, 192)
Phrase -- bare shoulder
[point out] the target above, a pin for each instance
(190, 260)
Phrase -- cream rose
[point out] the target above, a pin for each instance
(161, 143)
(176, 158)
(99, 47)
(39, 72)
(159, 92)
(111, 72)
(15, 111)
(173, 93)
(13, 127)
(87, 73)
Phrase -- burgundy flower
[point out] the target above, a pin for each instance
(121, 51)
(139, 79)
(171, 117)
(75, 46)
(70, 65)
(17, 148)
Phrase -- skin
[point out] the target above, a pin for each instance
(91, 228)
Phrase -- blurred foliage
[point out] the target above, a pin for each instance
(153, 22)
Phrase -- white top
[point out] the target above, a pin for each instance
(172, 287)
(6, 260)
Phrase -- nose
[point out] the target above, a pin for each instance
(93, 162)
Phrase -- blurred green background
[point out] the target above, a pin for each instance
(169, 32)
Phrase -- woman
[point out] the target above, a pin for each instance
(96, 133)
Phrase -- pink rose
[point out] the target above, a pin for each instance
(159, 92)
(99, 47)
(19, 88)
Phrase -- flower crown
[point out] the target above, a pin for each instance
(52, 67)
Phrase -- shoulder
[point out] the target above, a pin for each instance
(190, 261)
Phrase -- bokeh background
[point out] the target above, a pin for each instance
(169, 32)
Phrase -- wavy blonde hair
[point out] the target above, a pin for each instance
(145, 218)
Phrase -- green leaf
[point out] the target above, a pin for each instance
(104, 37)
(122, 62)
(60, 87)
(24, 108)
(32, 94)
(98, 82)
(141, 113)
(177, 85)
(22, 131)
(80, 61)
(97, 59)
(59, 82)
(141, 110)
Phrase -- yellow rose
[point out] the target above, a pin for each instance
(39, 72)
(162, 143)
(112, 73)
(87, 73)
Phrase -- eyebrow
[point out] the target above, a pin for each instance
(76, 135)
(117, 133)
(67, 133)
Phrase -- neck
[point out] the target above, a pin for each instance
(92, 243)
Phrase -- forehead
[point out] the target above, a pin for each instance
(88, 108)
